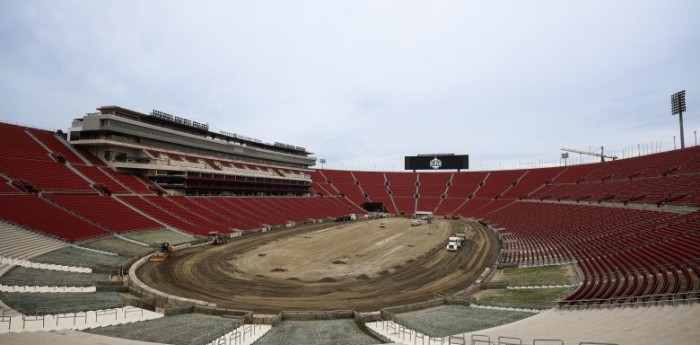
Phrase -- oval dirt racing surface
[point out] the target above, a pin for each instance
(355, 265)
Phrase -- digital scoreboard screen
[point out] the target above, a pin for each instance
(437, 162)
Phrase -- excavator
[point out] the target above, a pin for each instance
(165, 251)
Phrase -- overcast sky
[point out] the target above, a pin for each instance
(365, 83)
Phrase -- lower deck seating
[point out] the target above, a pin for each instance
(43, 175)
(32, 212)
(7, 188)
(201, 221)
(106, 211)
(135, 183)
(50, 140)
(162, 215)
(16, 143)
(623, 253)
(235, 217)
(99, 177)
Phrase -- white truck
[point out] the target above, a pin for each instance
(416, 223)
(455, 242)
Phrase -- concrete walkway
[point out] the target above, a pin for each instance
(641, 325)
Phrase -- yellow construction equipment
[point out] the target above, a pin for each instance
(165, 251)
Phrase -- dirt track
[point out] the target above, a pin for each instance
(349, 266)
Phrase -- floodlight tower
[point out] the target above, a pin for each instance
(678, 107)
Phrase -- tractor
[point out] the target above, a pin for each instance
(165, 251)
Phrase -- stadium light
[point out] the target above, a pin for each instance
(323, 162)
(678, 107)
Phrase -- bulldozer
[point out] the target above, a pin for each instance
(165, 251)
(217, 238)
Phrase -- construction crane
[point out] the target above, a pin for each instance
(602, 154)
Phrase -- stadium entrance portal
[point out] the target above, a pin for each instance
(374, 207)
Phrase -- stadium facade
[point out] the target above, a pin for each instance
(183, 157)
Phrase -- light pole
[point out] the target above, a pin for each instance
(695, 133)
(678, 107)
(323, 162)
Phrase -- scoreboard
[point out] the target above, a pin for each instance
(441, 161)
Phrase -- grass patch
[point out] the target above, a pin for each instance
(117, 245)
(54, 303)
(455, 319)
(70, 256)
(38, 277)
(336, 332)
(527, 298)
(545, 275)
(156, 237)
(186, 329)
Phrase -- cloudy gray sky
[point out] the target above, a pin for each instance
(364, 83)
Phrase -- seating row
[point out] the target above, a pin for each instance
(622, 252)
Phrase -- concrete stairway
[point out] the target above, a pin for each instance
(13, 322)
(20, 243)
(244, 335)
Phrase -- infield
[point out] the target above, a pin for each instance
(354, 265)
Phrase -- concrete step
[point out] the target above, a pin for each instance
(27, 263)
(77, 320)
(244, 335)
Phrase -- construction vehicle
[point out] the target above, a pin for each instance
(165, 251)
(452, 216)
(455, 242)
(217, 238)
(452, 246)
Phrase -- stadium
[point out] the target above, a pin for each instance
(150, 228)
(349, 172)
